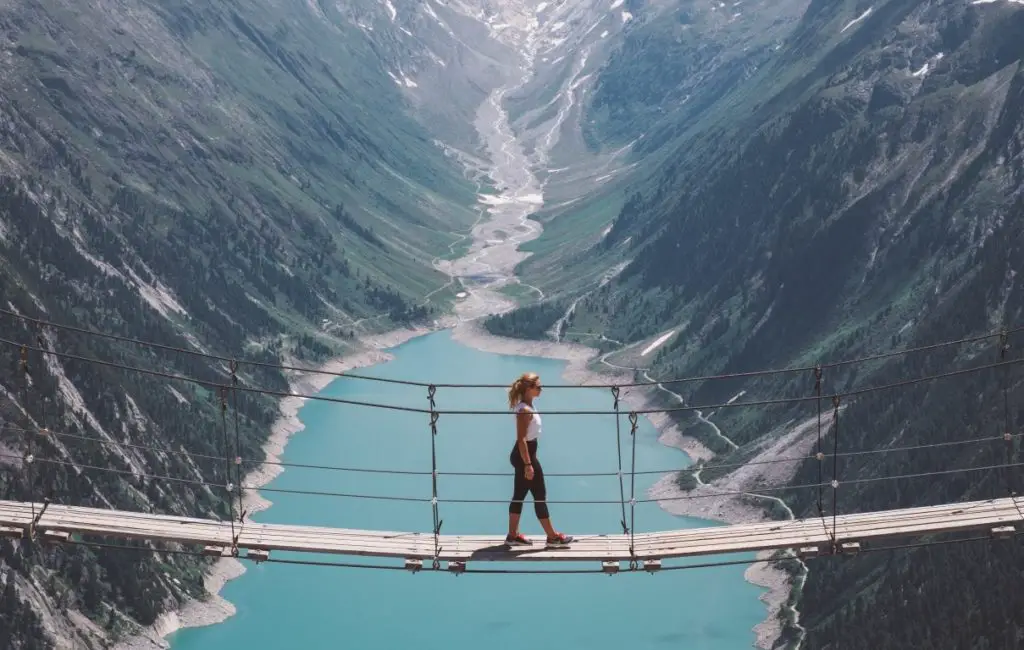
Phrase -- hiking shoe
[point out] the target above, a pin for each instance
(560, 540)
(517, 540)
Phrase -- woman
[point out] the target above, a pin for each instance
(529, 474)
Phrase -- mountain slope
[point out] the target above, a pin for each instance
(848, 181)
(255, 180)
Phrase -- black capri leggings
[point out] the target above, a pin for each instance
(522, 486)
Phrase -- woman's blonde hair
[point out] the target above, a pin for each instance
(519, 386)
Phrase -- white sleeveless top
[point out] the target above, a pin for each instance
(532, 429)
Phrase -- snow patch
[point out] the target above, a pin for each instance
(857, 19)
(135, 417)
(504, 199)
(79, 243)
(737, 396)
(391, 9)
(158, 296)
(660, 341)
(626, 16)
(923, 70)
(177, 395)
(70, 396)
(616, 4)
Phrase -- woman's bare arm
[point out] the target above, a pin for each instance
(522, 423)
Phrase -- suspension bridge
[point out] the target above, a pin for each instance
(52, 522)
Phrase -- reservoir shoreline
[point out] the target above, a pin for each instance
(216, 609)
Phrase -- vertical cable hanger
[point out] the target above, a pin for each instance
(820, 455)
(431, 391)
(618, 448)
(29, 457)
(835, 467)
(1004, 347)
(238, 445)
(227, 465)
(632, 493)
(42, 429)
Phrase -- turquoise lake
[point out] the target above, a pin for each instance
(292, 606)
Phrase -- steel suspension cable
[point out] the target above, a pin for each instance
(632, 492)
(820, 456)
(238, 446)
(835, 466)
(227, 461)
(431, 391)
(722, 493)
(618, 449)
(1008, 436)
(395, 407)
(406, 472)
(292, 368)
(29, 459)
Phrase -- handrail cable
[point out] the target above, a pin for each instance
(424, 384)
(410, 409)
(372, 470)
(384, 497)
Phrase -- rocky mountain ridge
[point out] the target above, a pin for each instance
(848, 183)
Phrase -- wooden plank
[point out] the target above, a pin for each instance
(609, 549)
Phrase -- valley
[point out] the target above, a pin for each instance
(684, 188)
